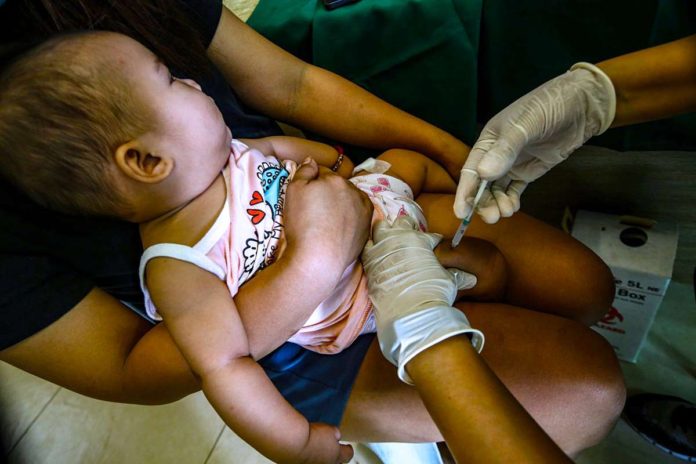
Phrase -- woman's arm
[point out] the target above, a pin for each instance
(202, 318)
(478, 417)
(654, 83)
(288, 89)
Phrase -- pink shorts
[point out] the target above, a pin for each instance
(391, 197)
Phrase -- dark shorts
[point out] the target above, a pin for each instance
(317, 385)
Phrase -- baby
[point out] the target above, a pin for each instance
(140, 145)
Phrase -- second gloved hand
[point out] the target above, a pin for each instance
(532, 135)
(412, 293)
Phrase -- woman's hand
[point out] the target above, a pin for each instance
(327, 218)
(412, 294)
(532, 135)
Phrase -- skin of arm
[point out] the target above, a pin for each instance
(286, 88)
(297, 149)
(471, 405)
(276, 302)
(204, 323)
(654, 83)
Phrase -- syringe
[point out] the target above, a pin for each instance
(467, 220)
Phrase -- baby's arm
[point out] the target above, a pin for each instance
(203, 320)
(297, 149)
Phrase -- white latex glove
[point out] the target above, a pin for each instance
(412, 293)
(532, 135)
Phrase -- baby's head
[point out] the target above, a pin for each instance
(93, 123)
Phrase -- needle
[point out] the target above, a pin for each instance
(465, 222)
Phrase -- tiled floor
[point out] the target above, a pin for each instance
(45, 424)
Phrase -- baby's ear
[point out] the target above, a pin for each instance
(136, 162)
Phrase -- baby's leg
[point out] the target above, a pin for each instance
(420, 173)
(473, 255)
(547, 269)
(480, 258)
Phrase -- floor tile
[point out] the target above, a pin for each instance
(77, 429)
(231, 449)
(667, 363)
(625, 446)
(22, 397)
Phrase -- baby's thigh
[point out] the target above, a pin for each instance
(480, 258)
(548, 270)
(420, 172)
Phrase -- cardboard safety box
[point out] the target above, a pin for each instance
(640, 253)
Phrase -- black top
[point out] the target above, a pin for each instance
(49, 261)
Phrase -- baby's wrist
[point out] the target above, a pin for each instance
(339, 158)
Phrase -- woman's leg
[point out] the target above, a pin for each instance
(564, 374)
(104, 350)
(547, 269)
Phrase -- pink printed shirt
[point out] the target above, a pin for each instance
(247, 236)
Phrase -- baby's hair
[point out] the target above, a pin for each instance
(63, 112)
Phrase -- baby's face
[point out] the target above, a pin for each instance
(187, 126)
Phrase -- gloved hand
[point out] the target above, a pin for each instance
(532, 135)
(412, 293)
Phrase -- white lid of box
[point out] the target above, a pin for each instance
(639, 245)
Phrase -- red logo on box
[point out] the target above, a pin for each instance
(612, 316)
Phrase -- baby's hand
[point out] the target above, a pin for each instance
(323, 447)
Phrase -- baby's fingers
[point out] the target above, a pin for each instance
(306, 171)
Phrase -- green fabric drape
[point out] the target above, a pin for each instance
(456, 62)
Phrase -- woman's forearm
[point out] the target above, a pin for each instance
(333, 106)
(479, 418)
(290, 90)
(654, 83)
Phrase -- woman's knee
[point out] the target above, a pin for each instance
(598, 283)
(599, 388)
(565, 374)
